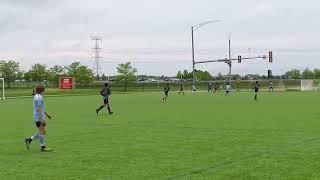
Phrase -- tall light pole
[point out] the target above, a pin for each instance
(193, 29)
(229, 62)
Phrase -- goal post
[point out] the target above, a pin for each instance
(2, 89)
(307, 85)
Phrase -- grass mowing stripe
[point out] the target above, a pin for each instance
(201, 170)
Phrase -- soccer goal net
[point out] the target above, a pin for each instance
(281, 86)
(2, 89)
(306, 85)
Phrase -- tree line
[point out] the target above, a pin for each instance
(11, 71)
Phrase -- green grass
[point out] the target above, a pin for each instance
(190, 137)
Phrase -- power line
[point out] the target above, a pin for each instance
(142, 62)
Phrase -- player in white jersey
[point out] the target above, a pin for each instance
(194, 90)
(39, 118)
(228, 89)
(271, 86)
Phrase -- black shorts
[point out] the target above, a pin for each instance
(38, 124)
(256, 90)
(166, 93)
(105, 100)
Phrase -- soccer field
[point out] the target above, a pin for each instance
(202, 136)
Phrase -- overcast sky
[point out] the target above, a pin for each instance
(159, 31)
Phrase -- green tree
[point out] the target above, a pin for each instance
(307, 74)
(103, 77)
(179, 75)
(294, 74)
(20, 75)
(126, 73)
(203, 75)
(27, 76)
(9, 70)
(38, 72)
(187, 75)
(72, 69)
(85, 75)
(97, 78)
(55, 73)
(200, 75)
(219, 76)
(81, 73)
(235, 76)
(316, 73)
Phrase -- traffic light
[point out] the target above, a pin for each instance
(270, 57)
(239, 59)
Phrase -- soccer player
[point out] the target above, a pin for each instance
(228, 89)
(209, 87)
(39, 118)
(256, 90)
(105, 93)
(271, 86)
(33, 91)
(166, 90)
(181, 89)
(215, 87)
(194, 89)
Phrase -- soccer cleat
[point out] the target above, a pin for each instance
(97, 111)
(46, 149)
(27, 141)
(110, 113)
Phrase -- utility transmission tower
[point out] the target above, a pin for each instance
(97, 48)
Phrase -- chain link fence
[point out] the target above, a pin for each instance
(241, 85)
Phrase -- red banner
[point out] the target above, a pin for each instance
(66, 83)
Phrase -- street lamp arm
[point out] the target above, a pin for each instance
(196, 27)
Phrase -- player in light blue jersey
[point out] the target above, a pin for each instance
(39, 118)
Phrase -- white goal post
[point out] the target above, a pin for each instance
(307, 85)
(3, 95)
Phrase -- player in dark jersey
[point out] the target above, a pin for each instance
(33, 91)
(209, 87)
(256, 90)
(166, 90)
(181, 89)
(105, 93)
(215, 87)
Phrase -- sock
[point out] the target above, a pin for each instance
(35, 136)
(109, 109)
(42, 140)
(100, 107)
(255, 97)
